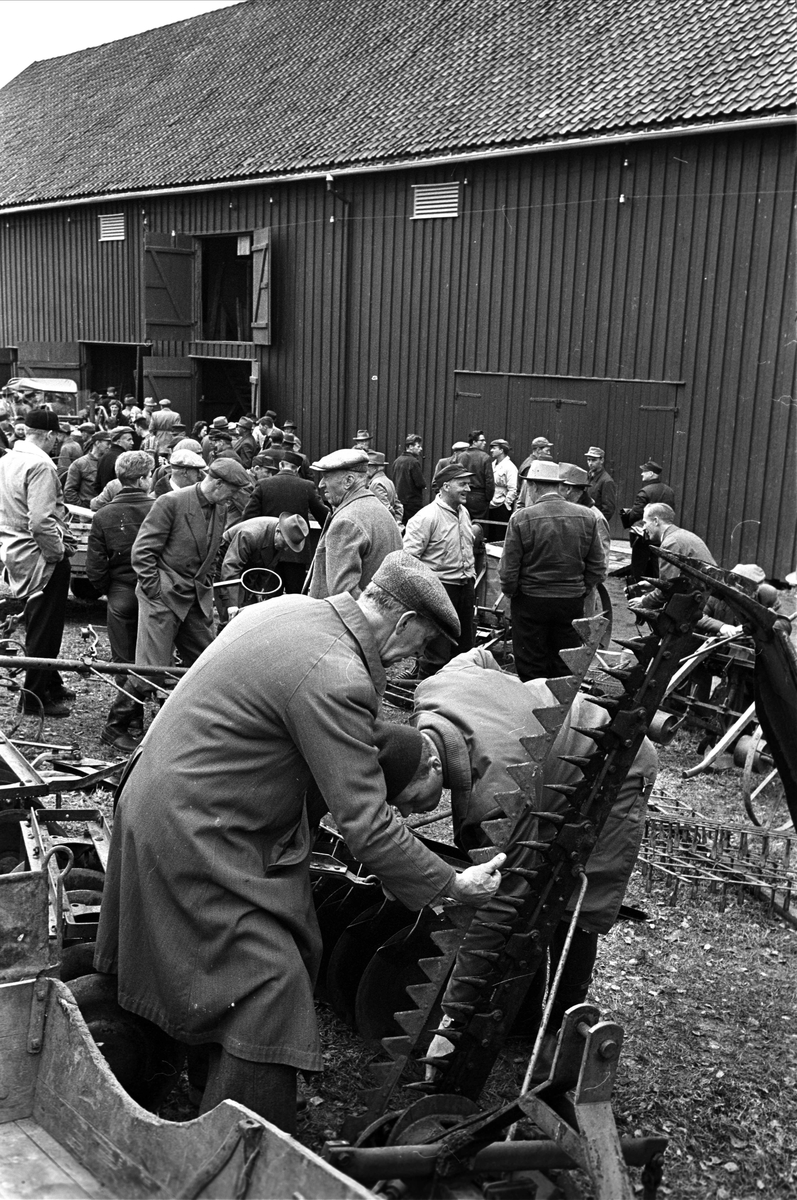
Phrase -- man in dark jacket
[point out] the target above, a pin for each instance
(552, 558)
(121, 440)
(653, 491)
(408, 476)
(108, 567)
(245, 445)
(601, 487)
(81, 477)
(478, 463)
(285, 492)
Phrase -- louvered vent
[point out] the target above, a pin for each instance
(112, 227)
(435, 200)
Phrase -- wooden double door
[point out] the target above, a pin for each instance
(632, 420)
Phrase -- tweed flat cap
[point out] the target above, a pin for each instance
(164, 403)
(650, 465)
(542, 470)
(594, 452)
(116, 434)
(342, 460)
(408, 581)
(539, 442)
(229, 471)
(749, 571)
(449, 473)
(187, 443)
(42, 418)
(184, 457)
(101, 436)
(575, 476)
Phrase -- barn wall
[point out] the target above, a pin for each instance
(666, 261)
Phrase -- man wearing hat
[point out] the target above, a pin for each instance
(217, 438)
(541, 448)
(263, 428)
(478, 462)
(601, 487)
(207, 912)
(505, 475)
(245, 445)
(408, 476)
(162, 424)
(362, 440)
(121, 440)
(187, 468)
(382, 487)
(71, 449)
(81, 478)
(258, 542)
(653, 491)
(552, 558)
(173, 557)
(358, 534)
(454, 457)
(285, 492)
(441, 536)
(35, 545)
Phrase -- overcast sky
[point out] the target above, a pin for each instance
(37, 29)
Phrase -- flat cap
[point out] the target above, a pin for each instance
(119, 432)
(749, 571)
(650, 465)
(229, 471)
(219, 423)
(87, 427)
(449, 473)
(502, 443)
(101, 435)
(542, 470)
(164, 403)
(400, 748)
(42, 418)
(188, 458)
(376, 458)
(457, 446)
(594, 452)
(187, 443)
(539, 442)
(342, 460)
(410, 582)
(575, 476)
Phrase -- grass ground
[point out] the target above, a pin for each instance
(706, 999)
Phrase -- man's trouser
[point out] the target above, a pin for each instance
(269, 1089)
(440, 650)
(161, 632)
(541, 627)
(44, 628)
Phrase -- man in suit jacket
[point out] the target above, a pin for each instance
(173, 557)
(258, 542)
(287, 492)
(359, 534)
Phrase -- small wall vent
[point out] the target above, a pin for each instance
(435, 200)
(112, 227)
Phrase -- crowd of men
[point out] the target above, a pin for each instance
(207, 918)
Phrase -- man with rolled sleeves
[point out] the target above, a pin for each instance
(441, 537)
(173, 557)
(552, 558)
(359, 533)
(601, 487)
(208, 915)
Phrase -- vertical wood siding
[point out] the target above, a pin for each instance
(545, 273)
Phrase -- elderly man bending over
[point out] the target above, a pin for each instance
(207, 912)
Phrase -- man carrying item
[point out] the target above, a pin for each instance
(173, 558)
(552, 558)
(359, 533)
(441, 537)
(602, 488)
(653, 491)
(476, 715)
(109, 567)
(477, 461)
(207, 912)
(81, 478)
(283, 492)
(258, 542)
(382, 487)
(35, 545)
(505, 474)
(658, 523)
(408, 476)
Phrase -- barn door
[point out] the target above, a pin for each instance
(641, 426)
(479, 403)
(261, 288)
(169, 310)
(171, 379)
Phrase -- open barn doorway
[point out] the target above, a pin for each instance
(225, 388)
(112, 364)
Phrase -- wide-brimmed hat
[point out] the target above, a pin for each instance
(294, 529)
(218, 423)
(376, 458)
(290, 456)
(573, 475)
(362, 435)
(542, 470)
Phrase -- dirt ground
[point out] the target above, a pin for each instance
(706, 997)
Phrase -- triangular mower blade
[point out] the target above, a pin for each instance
(577, 661)
(411, 1022)
(591, 629)
(552, 718)
(514, 804)
(564, 687)
(524, 774)
(483, 854)
(499, 831)
(447, 939)
(536, 746)
(434, 968)
(424, 994)
(397, 1047)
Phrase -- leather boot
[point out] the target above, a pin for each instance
(124, 713)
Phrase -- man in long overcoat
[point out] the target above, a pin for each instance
(207, 912)
(358, 535)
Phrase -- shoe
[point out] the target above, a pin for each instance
(120, 741)
(49, 708)
(67, 694)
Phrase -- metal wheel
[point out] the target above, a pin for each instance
(764, 798)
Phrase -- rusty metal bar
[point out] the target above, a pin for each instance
(23, 663)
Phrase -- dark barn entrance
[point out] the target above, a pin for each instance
(224, 388)
(112, 364)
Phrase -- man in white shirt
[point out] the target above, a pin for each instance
(505, 474)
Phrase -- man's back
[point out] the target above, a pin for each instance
(552, 548)
(408, 478)
(285, 493)
(360, 534)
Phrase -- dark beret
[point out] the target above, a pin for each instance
(42, 418)
(409, 581)
(400, 748)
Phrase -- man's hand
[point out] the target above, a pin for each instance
(731, 630)
(232, 611)
(478, 884)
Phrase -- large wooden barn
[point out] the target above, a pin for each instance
(559, 217)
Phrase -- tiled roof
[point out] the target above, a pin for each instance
(272, 87)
